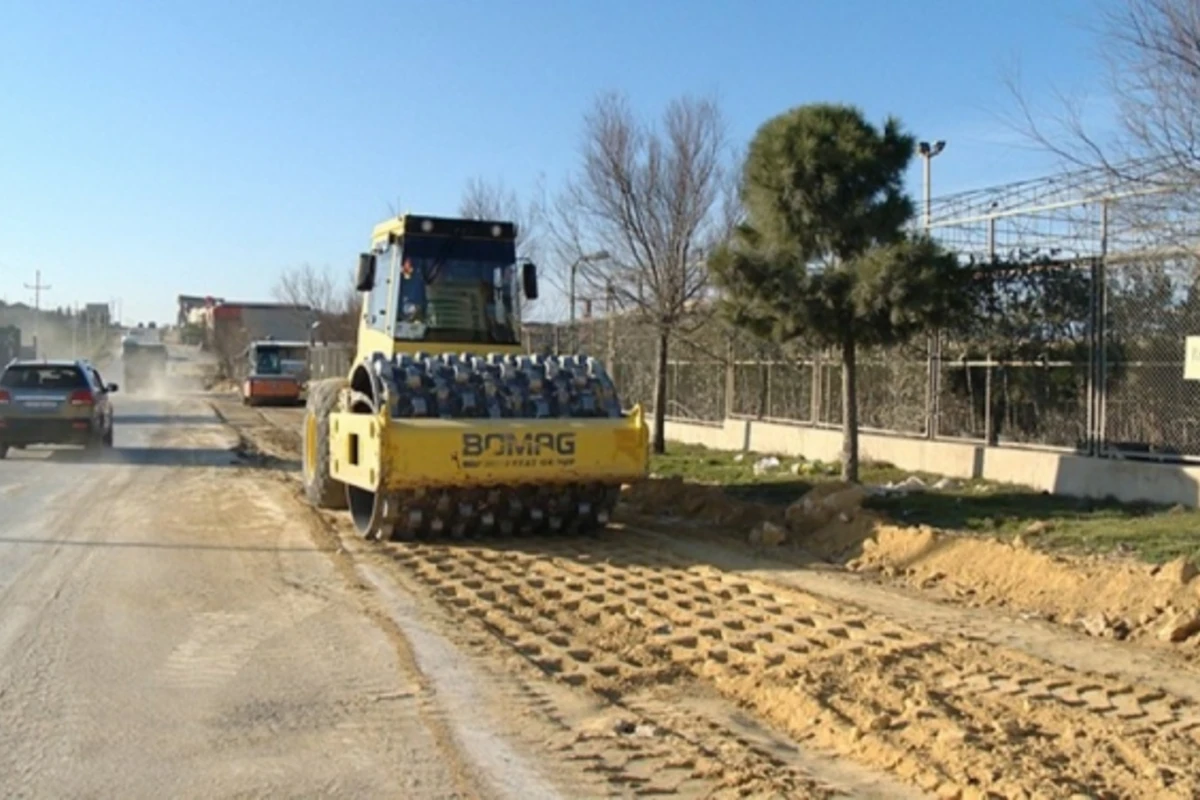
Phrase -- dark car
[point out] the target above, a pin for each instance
(54, 402)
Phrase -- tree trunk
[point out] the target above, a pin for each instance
(660, 394)
(849, 414)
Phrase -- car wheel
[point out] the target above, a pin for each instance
(3, 450)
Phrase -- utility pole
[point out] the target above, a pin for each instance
(38, 287)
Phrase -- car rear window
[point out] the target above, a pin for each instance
(36, 376)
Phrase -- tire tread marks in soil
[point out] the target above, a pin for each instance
(616, 617)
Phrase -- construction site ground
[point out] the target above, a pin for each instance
(178, 621)
(856, 653)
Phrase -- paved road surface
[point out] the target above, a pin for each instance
(169, 629)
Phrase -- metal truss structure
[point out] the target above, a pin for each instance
(1120, 211)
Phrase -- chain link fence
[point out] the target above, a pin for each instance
(1077, 340)
(1078, 354)
(1019, 372)
(1152, 305)
(1082, 354)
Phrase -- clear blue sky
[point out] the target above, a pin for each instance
(148, 149)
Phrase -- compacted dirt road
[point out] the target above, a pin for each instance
(171, 627)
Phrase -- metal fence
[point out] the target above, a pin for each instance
(1079, 345)
(1088, 287)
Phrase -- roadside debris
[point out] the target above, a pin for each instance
(1183, 625)
(910, 484)
(1036, 528)
(1103, 626)
(767, 534)
(1179, 571)
(765, 465)
(822, 504)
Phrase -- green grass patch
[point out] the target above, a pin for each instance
(1151, 532)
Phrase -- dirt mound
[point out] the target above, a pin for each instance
(829, 521)
(1105, 597)
(1120, 599)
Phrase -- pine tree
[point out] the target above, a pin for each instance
(823, 257)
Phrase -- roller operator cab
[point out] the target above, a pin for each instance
(443, 426)
(274, 372)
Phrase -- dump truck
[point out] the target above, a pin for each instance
(274, 372)
(144, 363)
(443, 426)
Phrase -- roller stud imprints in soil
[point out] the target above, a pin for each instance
(443, 427)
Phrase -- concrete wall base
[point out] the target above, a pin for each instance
(1061, 473)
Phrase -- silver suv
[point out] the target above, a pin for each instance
(54, 402)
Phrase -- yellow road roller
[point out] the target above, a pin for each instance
(443, 426)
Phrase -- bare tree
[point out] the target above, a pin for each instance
(653, 201)
(228, 344)
(1152, 50)
(493, 200)
(336, 302)
(1150, 157)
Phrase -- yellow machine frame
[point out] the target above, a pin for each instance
(380, 453)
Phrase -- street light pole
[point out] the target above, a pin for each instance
(928, 151)
(933, 367)
(599, 255)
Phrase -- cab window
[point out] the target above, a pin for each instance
(41, 376)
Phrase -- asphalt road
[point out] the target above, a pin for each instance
(170, 627)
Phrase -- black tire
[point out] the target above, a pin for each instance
(3, 450)
(107, 441)
(321, 489)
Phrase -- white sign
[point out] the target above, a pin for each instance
(1191, 359)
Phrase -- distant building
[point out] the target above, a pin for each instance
(280, 321)
(18, 314)
(96, 315)
(192, 308)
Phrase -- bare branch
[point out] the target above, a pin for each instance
(656, 199)
(482, 199)
(637, 222)
(336, 301)
(1152, 50)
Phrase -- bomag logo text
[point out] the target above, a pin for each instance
(477, 445)
(518, 450)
